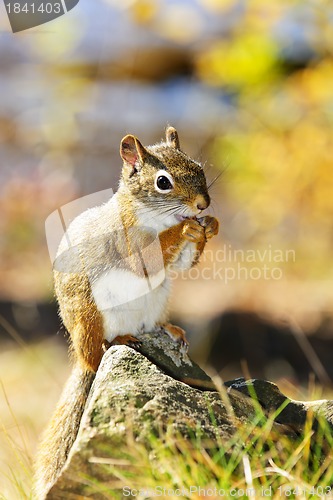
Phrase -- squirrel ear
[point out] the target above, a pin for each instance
(172, 137)
(132, 151)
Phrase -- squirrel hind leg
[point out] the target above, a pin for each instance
(177, 334)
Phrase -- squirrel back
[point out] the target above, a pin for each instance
(112, 272)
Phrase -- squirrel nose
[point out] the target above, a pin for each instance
(202, 202)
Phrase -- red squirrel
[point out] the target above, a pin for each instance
(99, 279)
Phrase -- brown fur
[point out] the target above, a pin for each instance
(81, 318)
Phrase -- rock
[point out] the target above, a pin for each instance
(132, 399)
(271, 399)
(173, 360)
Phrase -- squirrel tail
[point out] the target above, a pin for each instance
(62, 430)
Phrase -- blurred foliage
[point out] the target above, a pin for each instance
(270, 63)
(273, 61)
(24, 205)
(249, 60)
(280, 148)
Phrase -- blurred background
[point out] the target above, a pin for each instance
(248, 85)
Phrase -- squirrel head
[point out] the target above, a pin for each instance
(163, 176)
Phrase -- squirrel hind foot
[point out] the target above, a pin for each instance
(177, 334)
(128, 340)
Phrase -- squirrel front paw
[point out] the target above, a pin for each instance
(210, 226)
(193, 230)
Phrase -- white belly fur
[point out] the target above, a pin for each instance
(187, 256)
(129, 303)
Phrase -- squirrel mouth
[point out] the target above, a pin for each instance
(180, 218)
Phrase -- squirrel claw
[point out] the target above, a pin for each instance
(128, 339)
(193, 231)
(177, 334)
(210, 224)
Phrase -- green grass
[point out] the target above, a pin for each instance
(257, 460)
(31, 379)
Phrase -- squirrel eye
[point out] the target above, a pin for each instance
(163, 182)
